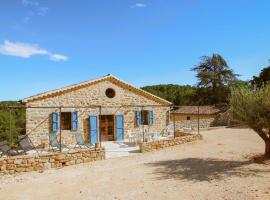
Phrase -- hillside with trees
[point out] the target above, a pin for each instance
(12, 122)
(177, 94)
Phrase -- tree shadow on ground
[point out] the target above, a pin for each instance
(134, 151)
(197, 169)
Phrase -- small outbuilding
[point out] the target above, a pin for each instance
(190, 116)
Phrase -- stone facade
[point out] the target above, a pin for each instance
(187, 117)
(38, 120)
(182, 117)
(24, 163)
(155, 145)
(193, 124)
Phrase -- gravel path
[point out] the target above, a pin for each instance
(215, 168)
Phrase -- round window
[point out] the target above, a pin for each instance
(110, 93)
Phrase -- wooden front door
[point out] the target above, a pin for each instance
(107, 127)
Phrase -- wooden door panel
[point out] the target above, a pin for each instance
(107, 127)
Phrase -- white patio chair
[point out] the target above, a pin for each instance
(138, 137)
(156, 136)
(148, 137)
(170, 130)
(131, 136)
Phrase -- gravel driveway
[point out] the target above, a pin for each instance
(217, 167)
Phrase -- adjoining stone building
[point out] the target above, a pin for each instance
(189, 116)
(102, 109)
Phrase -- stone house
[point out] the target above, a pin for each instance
(187, 116)
(104, 109)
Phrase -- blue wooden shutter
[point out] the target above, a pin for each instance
(93, 127)
(151, 117)
(54, 121)
(119, 127)
(74, 121)
(139, 118)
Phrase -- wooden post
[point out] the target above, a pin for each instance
(173, 124)
(99, 126)
(198, 119)
(10, 135)
(60, 129)
(142, 126)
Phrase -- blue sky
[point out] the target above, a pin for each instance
(47, 44)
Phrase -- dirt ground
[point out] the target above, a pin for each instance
(218, 167)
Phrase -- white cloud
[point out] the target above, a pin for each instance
(58, 57)
(30, 3)
(139, 5)
(34, 8)
(42, 11)
(25, 50)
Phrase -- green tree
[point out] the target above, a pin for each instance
(177, 94)
(12, 122)
(214, 76)
(253, 108)
(263, 78)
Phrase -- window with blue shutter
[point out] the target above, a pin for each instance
(74, 121)
(54, 122)
(139, 118)
(151, 117)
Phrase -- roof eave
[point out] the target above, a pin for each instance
(65, 89)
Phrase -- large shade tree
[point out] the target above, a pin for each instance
(214, 76)
(263, 78)
(253, 108)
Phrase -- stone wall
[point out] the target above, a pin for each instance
(154, 145)
(38, 120)
(193, 124)
(25, 163)
(181, 117)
